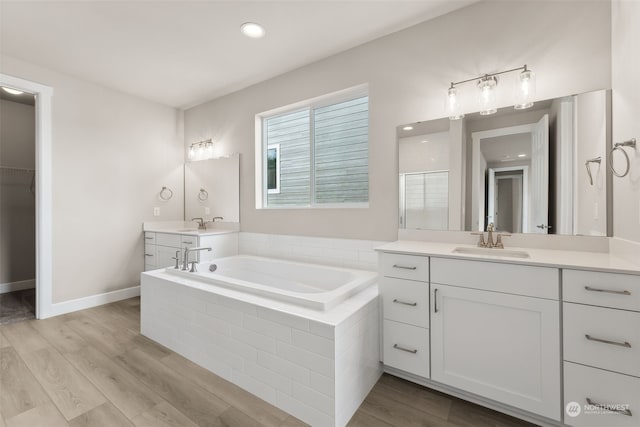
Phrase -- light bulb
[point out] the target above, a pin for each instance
(200, 151)
(453, 104)
(192, 153)
(209, 149)
(487, 97)
(525, 89)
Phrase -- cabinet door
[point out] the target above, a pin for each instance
(164, 256)
(500, 346)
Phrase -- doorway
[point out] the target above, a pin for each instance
(17, 205)
(42, 190)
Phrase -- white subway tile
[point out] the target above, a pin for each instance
(304, 412)
(253, 339)
(283, 318)
(306, 359)
(321, 383)
(322, 329)
(269, 377)
(284, 367)
(238, 305)
(267, 327)
(313, 398)
(314, 343)
(227, 314)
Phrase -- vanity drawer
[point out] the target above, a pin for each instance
(404, 266)
(150, 237)
(604, 289)
(188, 241)
(171, 240)
(620, 328)
(405, 301)
(150, 255)
(540, 282)
(604, 388)
(406, 347)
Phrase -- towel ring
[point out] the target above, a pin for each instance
(165, 194)
(203, 195)
(620, 146)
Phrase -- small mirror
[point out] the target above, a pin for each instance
(212, 189)
(540, 170)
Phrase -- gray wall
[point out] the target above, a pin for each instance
(567, 44)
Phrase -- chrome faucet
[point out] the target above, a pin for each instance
(217, 217)
(201, 224)
(186, 256)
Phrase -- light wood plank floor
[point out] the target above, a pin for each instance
(93, 368)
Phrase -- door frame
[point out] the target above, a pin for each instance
(44, 196)
(477, 190)
(525, 190)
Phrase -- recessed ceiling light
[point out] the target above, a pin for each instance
(407, 128)
(522, 155)
(12, 91)
(424, 141)
(253, 30)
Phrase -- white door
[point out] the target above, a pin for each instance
(539, 217)
(491, 197)
(500, 346)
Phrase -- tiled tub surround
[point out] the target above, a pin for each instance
(316, 365)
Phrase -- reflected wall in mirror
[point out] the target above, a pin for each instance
(212, 189)
(541, 170)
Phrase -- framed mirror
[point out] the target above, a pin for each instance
(212, 189)
(541, 170)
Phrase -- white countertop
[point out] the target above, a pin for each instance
(190, 231)
(597, 261)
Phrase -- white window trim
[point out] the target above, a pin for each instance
(277, 189)
(261, 171)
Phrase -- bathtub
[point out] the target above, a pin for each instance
(308, 285)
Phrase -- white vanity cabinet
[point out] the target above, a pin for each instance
(404, 290)
(160, 248)
(495, 332)
(602, 348)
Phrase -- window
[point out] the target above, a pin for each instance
(315, 154)
(273, 169)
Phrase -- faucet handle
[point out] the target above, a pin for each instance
(499, 243)
(193, 267)
(177, 258)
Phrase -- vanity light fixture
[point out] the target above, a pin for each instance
(201, 150)
(12, 91)
(252, 30)
(487, 89)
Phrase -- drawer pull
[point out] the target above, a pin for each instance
(412, 304)
(398, 347)
(149, 238)
(435, 300)
(611, 408)
(589, 288)
(621, 344)
(188, 243)
(148, 254)
(404, 267)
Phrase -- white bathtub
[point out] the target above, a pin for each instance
(308, 285)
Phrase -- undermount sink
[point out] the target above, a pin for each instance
(491, 252)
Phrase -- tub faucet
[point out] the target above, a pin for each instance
(201, 224)
(186, 255)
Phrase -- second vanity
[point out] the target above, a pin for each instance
(162, 243)
(527, 336)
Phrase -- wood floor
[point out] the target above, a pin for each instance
(93, 368)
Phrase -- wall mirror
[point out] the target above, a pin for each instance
(540, 170)
(212, 189)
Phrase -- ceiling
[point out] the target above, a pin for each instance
(183, 53)
(507, 148)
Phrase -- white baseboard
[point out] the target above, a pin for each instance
(17, 286)
(92, 301)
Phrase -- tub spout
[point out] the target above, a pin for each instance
(186, 255)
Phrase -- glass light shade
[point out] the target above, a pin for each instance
(453, 104)
(487, 95)
(192, 153)
(209, 149)
(525, 90)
